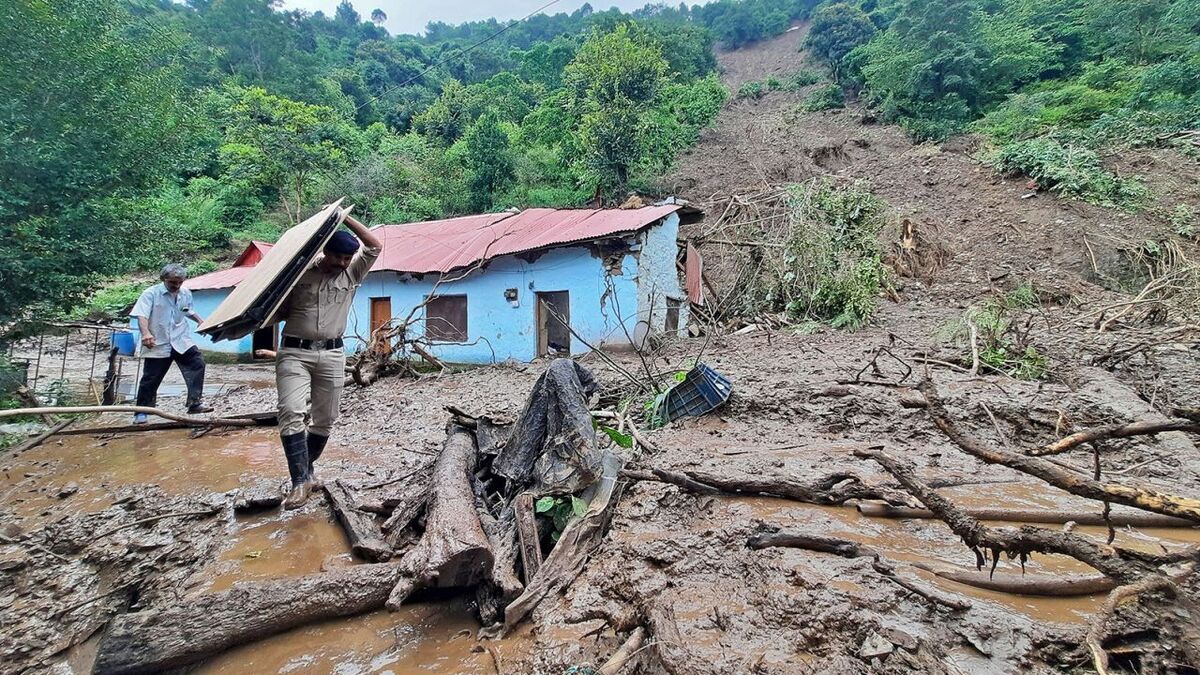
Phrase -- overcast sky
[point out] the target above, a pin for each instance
(410, 16)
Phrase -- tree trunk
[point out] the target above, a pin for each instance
(1031, 516)
(1021, 584)
(154, 640)
(454, 550)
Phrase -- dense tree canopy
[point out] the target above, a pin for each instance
(141, 132)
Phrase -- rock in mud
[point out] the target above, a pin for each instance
(258, 497)
(875, 645)
(13, 558)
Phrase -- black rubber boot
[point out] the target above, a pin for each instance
(316, 445)
(295, 449)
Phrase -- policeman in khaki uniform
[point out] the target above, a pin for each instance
(311, 363)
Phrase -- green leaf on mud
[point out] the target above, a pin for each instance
(578, 507)
(544, 504)
(623, 440)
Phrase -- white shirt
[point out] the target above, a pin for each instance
(167, 316)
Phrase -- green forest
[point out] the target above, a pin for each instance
(141, 131)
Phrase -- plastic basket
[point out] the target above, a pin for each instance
(702, 391)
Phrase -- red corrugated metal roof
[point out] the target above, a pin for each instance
(234, 275)
(444, 245)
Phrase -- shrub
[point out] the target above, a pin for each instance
(825, 98)
(800, 79)
(1069, 169)
(202, 267)
(752, 89)
(1002, 341)
(833, 260)
(774, 84)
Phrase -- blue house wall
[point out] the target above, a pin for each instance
(615, 291)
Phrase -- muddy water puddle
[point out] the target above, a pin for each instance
(433, 637)
(30, 485)
(436, 636)
(930, 541)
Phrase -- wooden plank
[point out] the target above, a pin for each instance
(527, 533)
(366, 540)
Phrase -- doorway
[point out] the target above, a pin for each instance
(264, 338)
(381, 313)
(553, 317)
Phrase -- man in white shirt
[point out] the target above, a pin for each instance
(161, 314)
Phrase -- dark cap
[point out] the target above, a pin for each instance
(342, 243)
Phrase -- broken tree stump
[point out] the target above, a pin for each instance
(454, 550)
(158, 639)
(366, 539)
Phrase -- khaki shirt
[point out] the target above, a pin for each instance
(318, 305)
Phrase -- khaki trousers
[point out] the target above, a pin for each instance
(304, 373)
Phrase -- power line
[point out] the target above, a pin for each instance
(463, 52)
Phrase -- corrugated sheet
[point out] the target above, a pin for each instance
(445, 245)
(454, 243)
(694, 275)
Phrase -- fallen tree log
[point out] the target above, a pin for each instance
(852, 549)
(89, 409)
(832, 490)
(158, 639)
(41, 438)
(1138, 497)
(408, 505)
(1023, 584)
(1114, 431)
(262, 419)
(527, 534)
(1122, 565)
(454, 550)
(366, 539)
(877, 510)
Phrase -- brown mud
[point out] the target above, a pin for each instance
(668, 552)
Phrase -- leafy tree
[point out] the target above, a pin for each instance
(836, 30)
(489, 161)
(282, 145)
(612, 82)
(378, 17)
(92, 109)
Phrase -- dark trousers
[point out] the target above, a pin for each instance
(191, 364)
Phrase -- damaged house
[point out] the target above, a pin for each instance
(491, 287)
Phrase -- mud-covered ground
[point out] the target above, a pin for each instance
(670, 552)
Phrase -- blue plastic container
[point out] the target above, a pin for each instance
(124, 342)
(702, 391)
